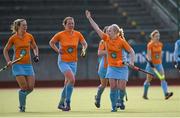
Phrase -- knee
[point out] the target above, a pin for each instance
(30, 89)
(149, 79)
(113, 86)
(24, 88)
(122, 87)
(69, 76)
(72, 81)
(104, 84)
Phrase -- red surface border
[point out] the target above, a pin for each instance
(85, 83)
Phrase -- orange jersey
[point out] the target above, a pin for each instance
(156, 51)
(115, 49)
(22, 44)
(102, 46)
(68, 44)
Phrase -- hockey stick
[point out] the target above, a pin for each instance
(23, 52)
(136, 68)
(161, 77)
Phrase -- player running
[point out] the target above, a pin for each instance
(22, 41)
(154, 54)
(68, 40)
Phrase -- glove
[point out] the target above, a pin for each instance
(151, 64)
(36, 59)
(177, 65)
(83, 52)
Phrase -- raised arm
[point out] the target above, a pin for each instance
(93, 24)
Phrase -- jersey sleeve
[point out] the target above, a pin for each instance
(81, 37)
(10, 42)
(56, 38)
(149, 47)
(33, 43)
(101, 45)
(105, 37)
(126, 46)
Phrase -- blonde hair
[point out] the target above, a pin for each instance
(153, 33)
(16, 24)
(105, 29)
(118, 30)
(65, 20)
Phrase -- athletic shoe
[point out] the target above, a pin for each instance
(97, 102)
(61, 106)
(168, 95)
(145, 97)
(114, 109)
(120, 105)
(66, 107)
(21, 109)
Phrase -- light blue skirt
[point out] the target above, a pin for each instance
(120, 73)
(159, 68)
(22, 69)
(64, 66)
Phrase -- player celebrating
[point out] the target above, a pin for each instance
(117, 73)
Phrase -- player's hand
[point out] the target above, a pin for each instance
(151, 64)
(177, 65)
(131, 63)
(36, 59)
(60, 51)
(88, 14)
(83, 52)
(9, 63)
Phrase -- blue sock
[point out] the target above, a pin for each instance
(99, 92)
(164, 86)
(28, 92)
(118, 94)
(69, 90)
(113, 97)
(146, 87)
(22, 98)
(63, 95)
(121, 95)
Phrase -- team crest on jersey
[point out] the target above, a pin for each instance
(157, 56)
(70, 50)
(113, 55)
